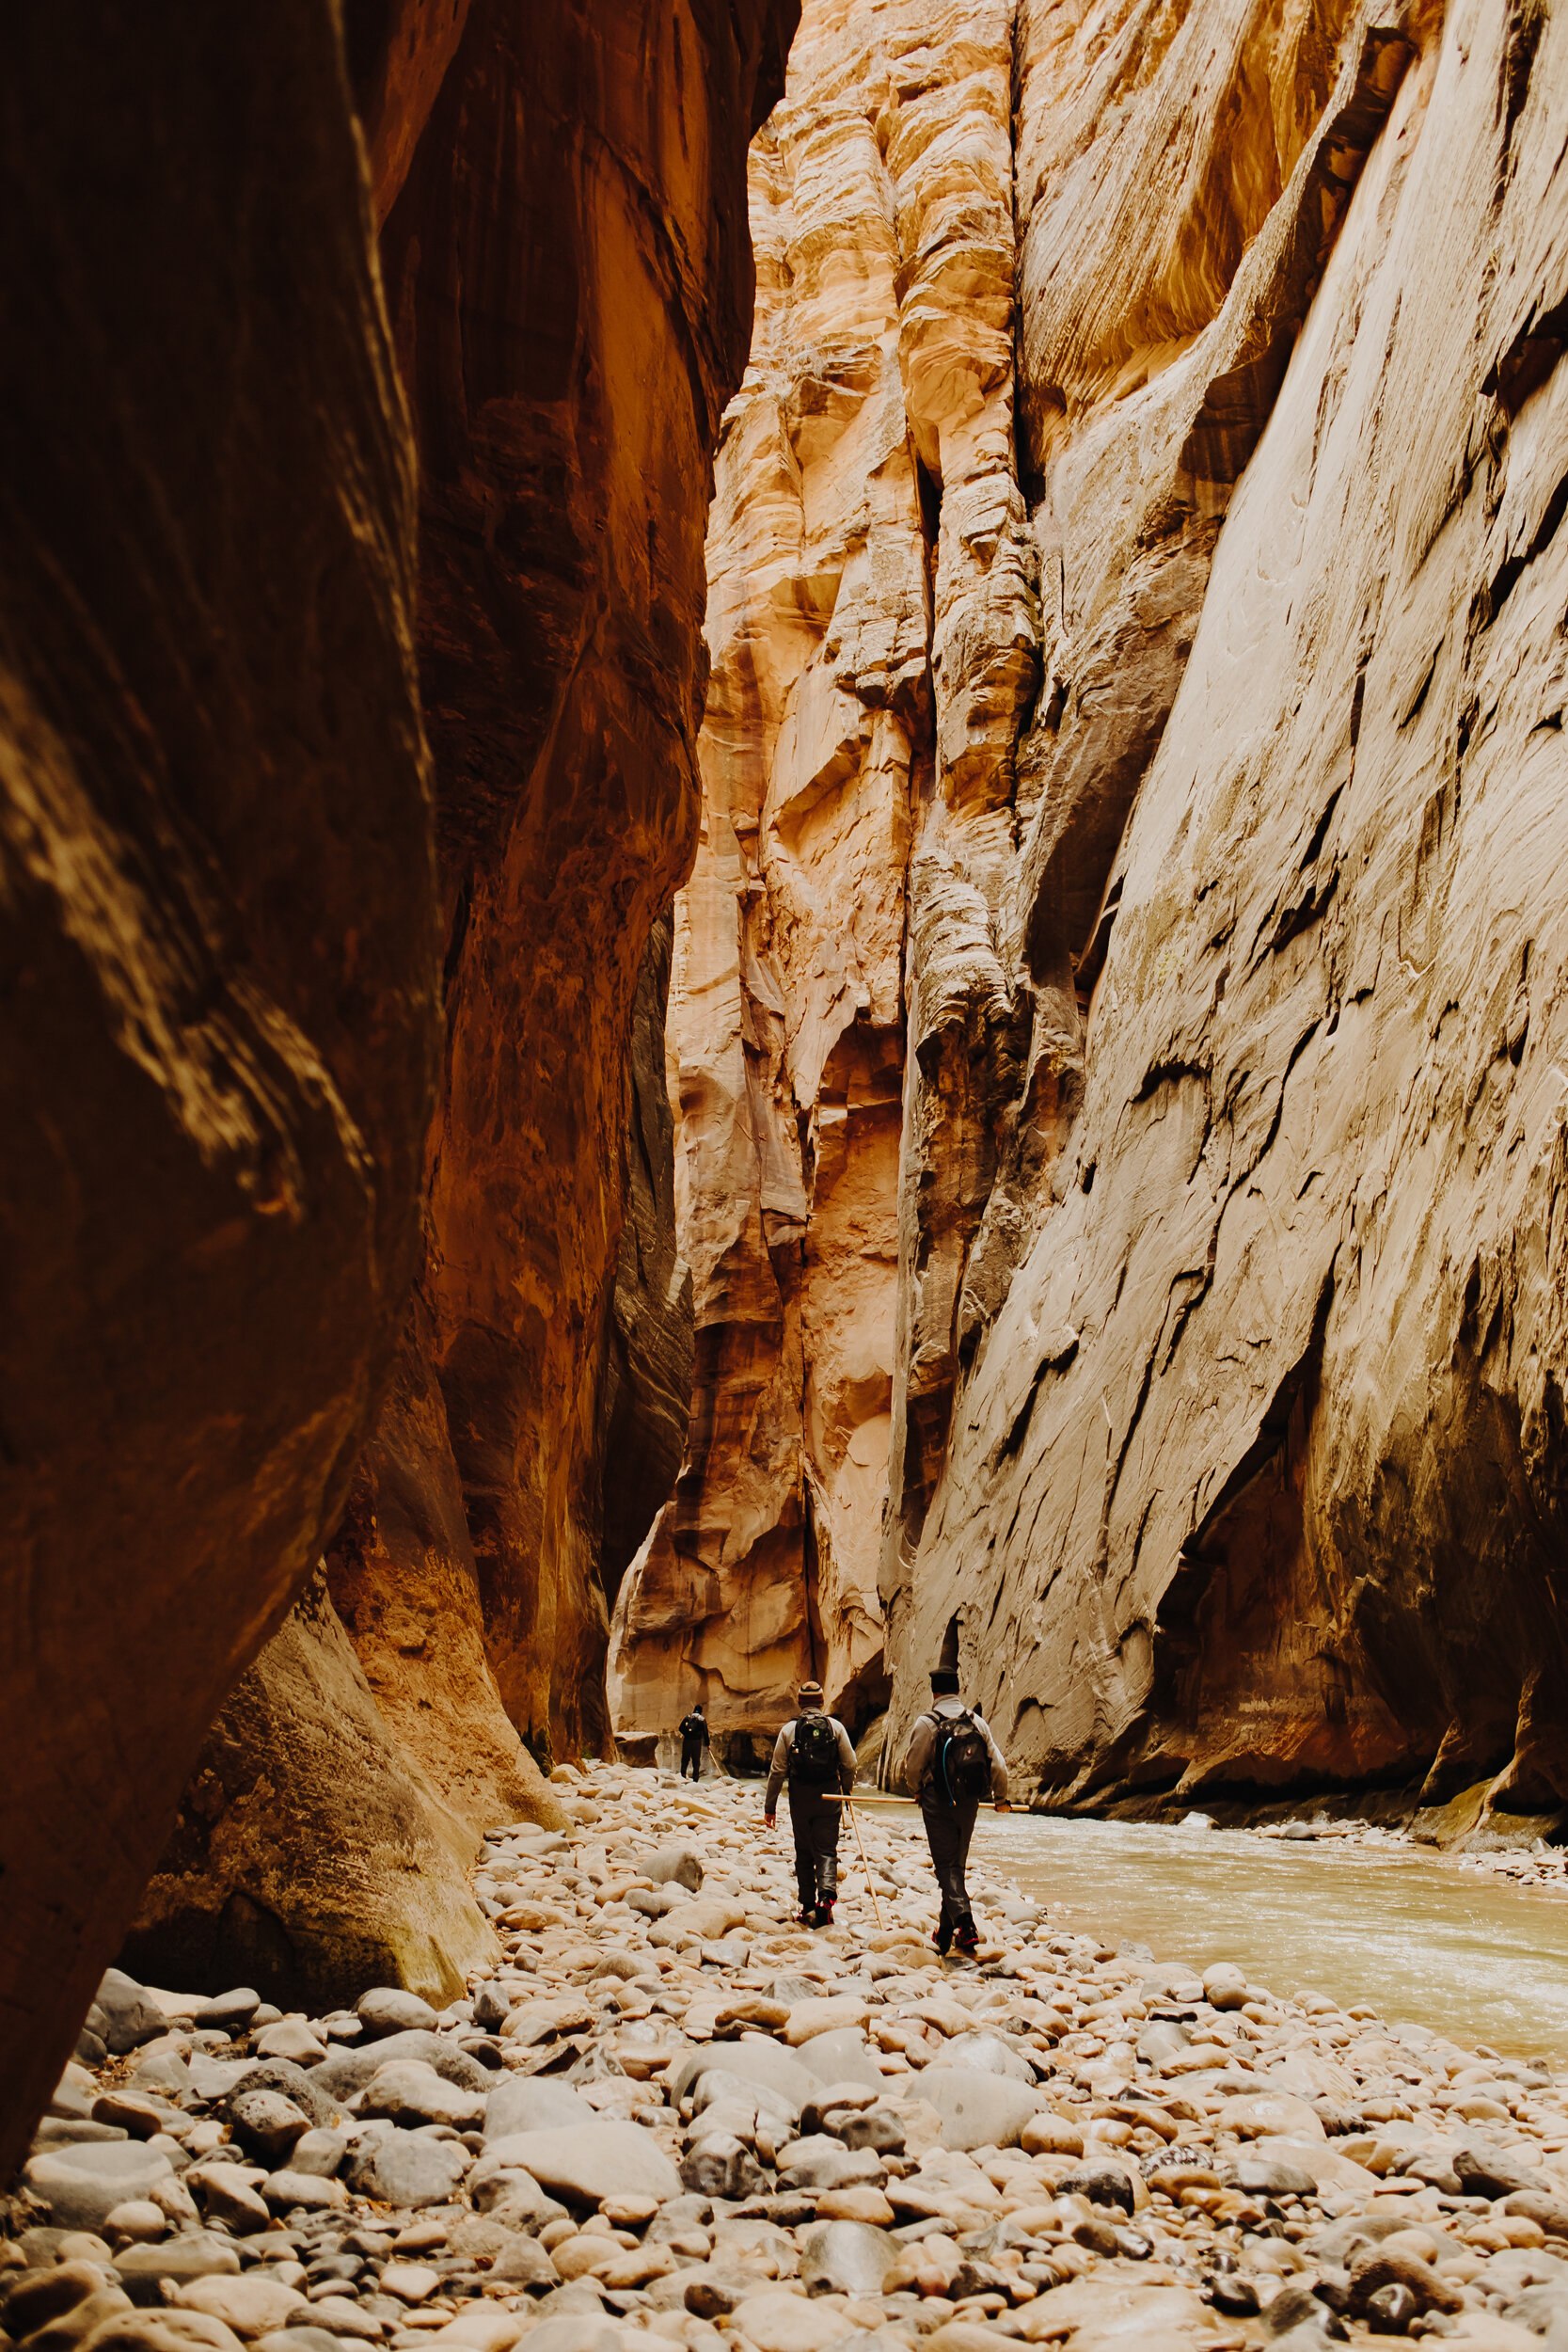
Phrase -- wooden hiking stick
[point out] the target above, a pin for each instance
(865, 1865)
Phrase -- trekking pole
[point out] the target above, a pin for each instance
(865, 1865)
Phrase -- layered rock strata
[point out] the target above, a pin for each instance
(1194, 371)
(869, 657)
(218, 980)
(1254, 1476)
(569, 275)
(572, 302)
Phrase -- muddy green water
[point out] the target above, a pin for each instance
(1414, 1936)
(1422, 1941)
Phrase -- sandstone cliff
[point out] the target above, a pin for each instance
(1226, 1397)
(223, 1022)
(571, 301)
(218, 984)
(1257, 1464)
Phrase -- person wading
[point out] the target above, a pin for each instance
(952, 1763)
(814, 1754)
(693, 1740)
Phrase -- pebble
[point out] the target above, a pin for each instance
(291, 2038)
(671, 2116)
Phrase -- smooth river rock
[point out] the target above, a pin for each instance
(81, 2186)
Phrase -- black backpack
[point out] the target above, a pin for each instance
(693, 1727)
(813, 1757)
(960, 1760)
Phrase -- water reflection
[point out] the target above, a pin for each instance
(1421, 1940)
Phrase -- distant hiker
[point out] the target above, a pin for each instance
(815, 1754)
(952, 1763)
(693, 1740)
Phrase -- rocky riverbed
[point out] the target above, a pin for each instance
(673, 2113)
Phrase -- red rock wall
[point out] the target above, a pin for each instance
(570, 277)
(219, 983)
(222, 976)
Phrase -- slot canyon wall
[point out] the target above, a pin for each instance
(1138, 608)
(569, 279)
(263, 770)
(219, 989)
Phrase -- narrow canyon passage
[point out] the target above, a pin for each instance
(780, 903)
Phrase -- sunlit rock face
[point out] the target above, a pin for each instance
(1258, 1467)
(872, 632)
(1224, 1398)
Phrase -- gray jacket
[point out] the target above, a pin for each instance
(923, 1739)
(778, 1769)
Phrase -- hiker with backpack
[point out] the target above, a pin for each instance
(693, 1740)
(953, 1761)
(816, 1755)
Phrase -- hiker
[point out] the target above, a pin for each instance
(815, 1754)
(952, 1762)
(693, 1740)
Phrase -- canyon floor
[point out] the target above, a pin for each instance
(673, 2113)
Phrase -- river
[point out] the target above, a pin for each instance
(1413, 1935)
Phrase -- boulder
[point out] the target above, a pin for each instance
(127, 2014)
(165, 2331)
(807, 2019)
(988, 2054)
(847, 2258)
(412, 2093)
(586, 2163)
(1485, 2171)
(388, 2010)
(348, 2070)
(267, 2124)
(250, 2306)
(778, 2322)
(821, 2162)
(199, 2254)
(754, 2060)
(293, 2040)
(312, 2191)
(1103, 2181)
(842, 2055)
(718, 2083)
(532, 2102)
(978, 2110)
(681, 1863)
(1270, 2114)
(230, 2013)
(1224, 1986)
(718, 2163)
(82, 2185)
(1272, 2176)
(319, 2152)
(400, 2167)
(228, 2193)
(49, 2295)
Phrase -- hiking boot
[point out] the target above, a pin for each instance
(942, 1937)
(823, 1916)
(967, 1936)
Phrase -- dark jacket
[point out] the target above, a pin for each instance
(779, 1771)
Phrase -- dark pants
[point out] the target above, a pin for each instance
(815, 1821)
(691, 1759)
(948, 1831)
